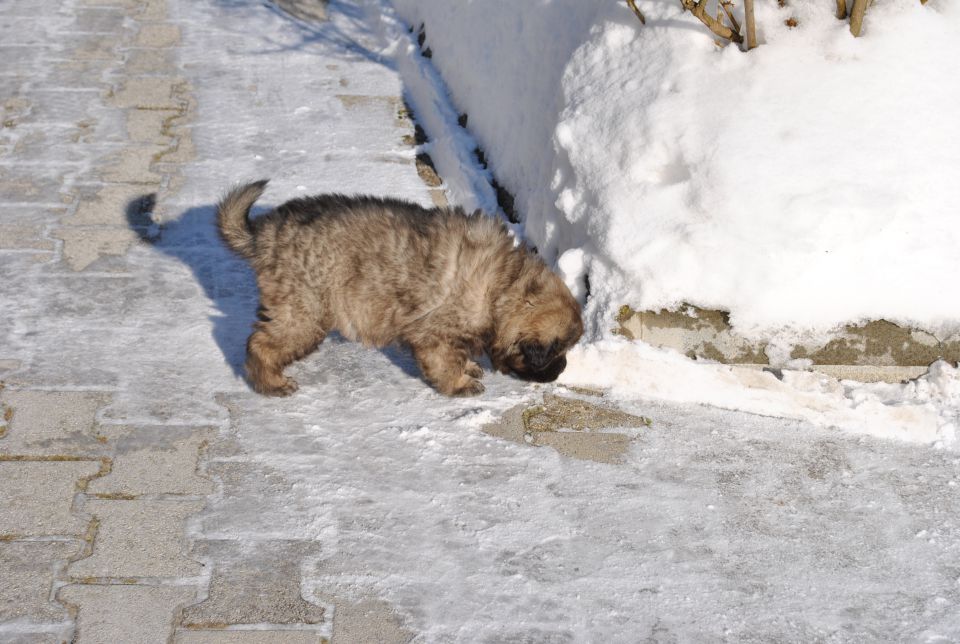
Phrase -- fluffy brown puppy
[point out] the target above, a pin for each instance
(448, 285)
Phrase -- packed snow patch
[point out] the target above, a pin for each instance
(803, 185)
(925, 410)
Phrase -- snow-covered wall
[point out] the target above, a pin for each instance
(808, 183)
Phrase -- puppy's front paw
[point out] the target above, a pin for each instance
(473, 370)
(288, 387)
(472, 387)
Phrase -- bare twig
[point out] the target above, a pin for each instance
(856, 16)
(726, 4)
(699, 9)
(633, 6)
(842, 9)
(751, 24)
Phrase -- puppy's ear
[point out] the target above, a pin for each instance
(532, 291)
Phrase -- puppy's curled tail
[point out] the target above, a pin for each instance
(233, 217)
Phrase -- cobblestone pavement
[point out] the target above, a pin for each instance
(101, 468)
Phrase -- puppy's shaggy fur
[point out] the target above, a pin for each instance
(448, 285)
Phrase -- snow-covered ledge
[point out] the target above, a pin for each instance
(869, 352)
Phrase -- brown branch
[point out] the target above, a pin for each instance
(699, 10)
(726, 9)
(751, 24)
(856, 16)
(842, 9)
(633, 6)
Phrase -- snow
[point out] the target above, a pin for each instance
(801, 186)
(925, 410)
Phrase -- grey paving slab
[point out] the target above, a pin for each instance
(36, 498)
(133, 165)
(50, 423)
(149, 92)
(106, 205)
(367, 620)
(84, 246)
(35, 184)
(24, 236)
(154, 460)
(34, 638)
(70, 367)
(246, 505)
(149, 10)
(138, 539)
(149, 61)
(254, 583)
(96, 21)
(250, 637)
(125, 613)
(26, 583)
(158, 35)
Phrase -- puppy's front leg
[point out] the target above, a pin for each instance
(445, 367)
(473, 369)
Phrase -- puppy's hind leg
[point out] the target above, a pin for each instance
(279, 338)
(444, 366)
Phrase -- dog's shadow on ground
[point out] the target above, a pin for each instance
(226, 280)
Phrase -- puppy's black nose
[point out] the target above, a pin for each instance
(549, 373)
(537, 356)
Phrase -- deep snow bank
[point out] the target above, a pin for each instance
(803, 185)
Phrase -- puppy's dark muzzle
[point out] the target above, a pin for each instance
(549, 373)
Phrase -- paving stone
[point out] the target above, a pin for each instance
(51, 423)
(308, 10)
(22, 185)
(120, 614)
(92, 47)
(150, 92)
(253, 583)
(251, 637)
(182, 152)
(369, 620)
(29, 568)
(103, 21)
(69, 368)
(154, 460)
(138, 539)
(36, 497)
(150, 126)
(158, 35)
(130, 4)
(152, 10)
(109, 205)
(571, 426)
(23, 236)
(247, 505)
(150, 61)
(36, 638)
(84, 246)
(36, 140)
(133, 165)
